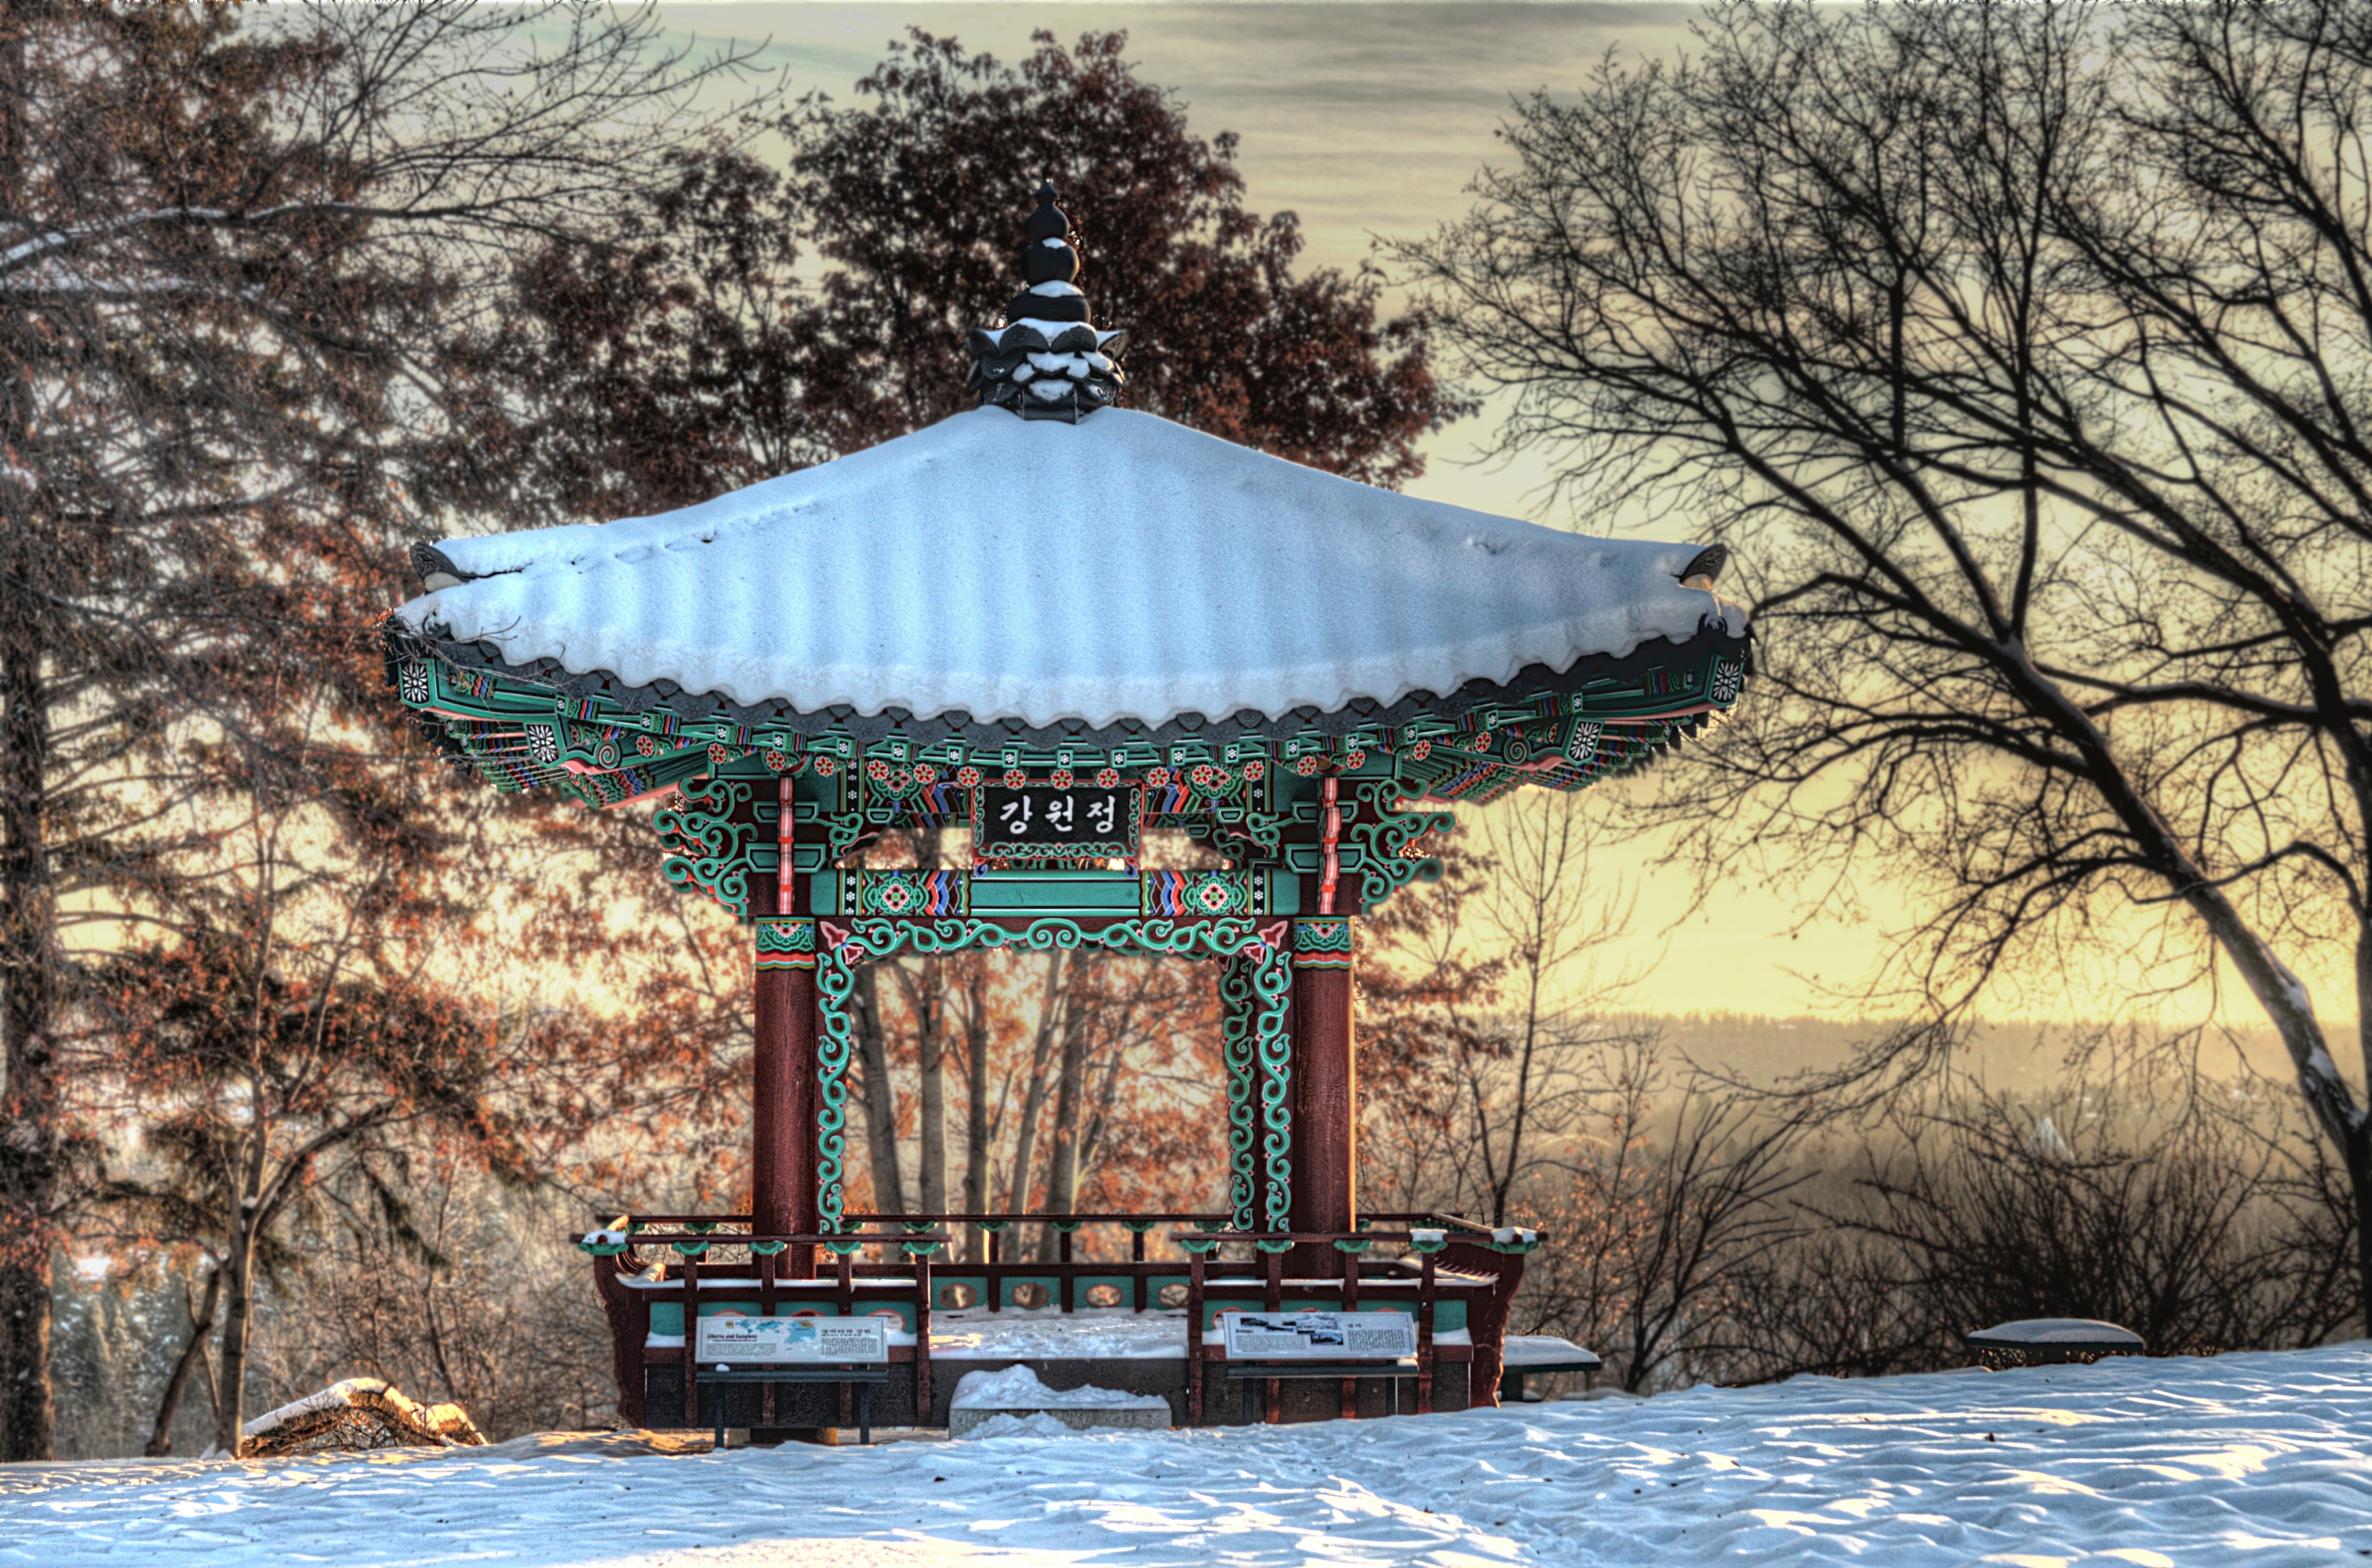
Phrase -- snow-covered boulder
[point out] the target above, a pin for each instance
(356, 1413)
(1017, 1392)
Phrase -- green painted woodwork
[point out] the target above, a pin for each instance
(1238, 1051)
(1254, 799)
(706, 848)
(1125, 1284)
(1077, 892)
(834, 1048)
(1050, 1284)
(1259, 966)
(1272, 984)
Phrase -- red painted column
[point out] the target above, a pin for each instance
(782, 1065)
(782, 1109)
(1325, 1089)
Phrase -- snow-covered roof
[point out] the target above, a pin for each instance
(1122, 569)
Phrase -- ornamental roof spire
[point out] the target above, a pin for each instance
(1047, 360)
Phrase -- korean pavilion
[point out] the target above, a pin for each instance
(1059, 624)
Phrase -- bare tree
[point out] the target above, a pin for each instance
(1679, 1197)
(2023, 346)
(240, 273)
(1495, 1004)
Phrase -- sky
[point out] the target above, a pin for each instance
(1370, 119)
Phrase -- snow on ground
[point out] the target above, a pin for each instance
(1017, 1387)
(2260, 1460)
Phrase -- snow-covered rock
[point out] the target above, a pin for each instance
(1017, 1392)
(356, 1413)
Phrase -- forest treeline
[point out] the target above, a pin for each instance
(2019, 354)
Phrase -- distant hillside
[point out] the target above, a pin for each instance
(2006, 1055)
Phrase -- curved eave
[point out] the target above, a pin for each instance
(594, 736)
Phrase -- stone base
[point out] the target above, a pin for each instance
(1079, 1418)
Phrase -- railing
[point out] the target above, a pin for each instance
(1231, 1265)
(758, 1266)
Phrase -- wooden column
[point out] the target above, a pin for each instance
(783, 1105)
(782, 1065)
(1325, 1090)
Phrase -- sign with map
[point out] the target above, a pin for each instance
(1318, 1336)
(736, 1340)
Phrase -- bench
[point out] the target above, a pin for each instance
(863, 1377)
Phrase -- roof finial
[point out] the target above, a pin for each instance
(1047, 361)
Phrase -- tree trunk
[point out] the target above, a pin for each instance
(192, 1358)
(2360, 1172)
(1033, 1098)
(230, 1386)
(880, 1093)
(1092, 1139)
(1063, 1176)
(29, 1132)
(924, 996)
(976, 1130)
(30, 1171)
(2278, 990)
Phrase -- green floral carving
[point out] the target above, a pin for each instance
(834, 1046)
(1383, 832)
(785, 934)
(1273, 983)
(1326, 933)
(1183, 938)
(708, 850)
(1238, 1052)
(1254, 998)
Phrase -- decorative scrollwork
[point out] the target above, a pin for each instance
(707, 849)
(834, 1046)
(870, 938)
(1382, 830)
(786, 944)
(1272, 984)
(1324, 942)
(1256, 994)
(1238, 1051)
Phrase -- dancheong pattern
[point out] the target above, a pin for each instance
(1271, 826)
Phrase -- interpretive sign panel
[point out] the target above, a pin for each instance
(770, 1342)
(1045, 823)
(1318, 1336)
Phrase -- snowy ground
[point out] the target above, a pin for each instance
(2256, 1460)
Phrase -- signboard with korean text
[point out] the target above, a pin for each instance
(1318, 1336)
(1041, 822)
(736, 1340)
